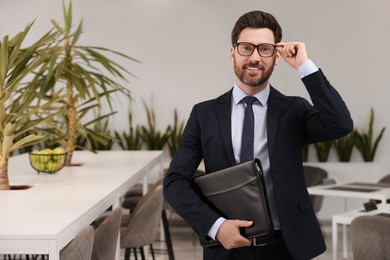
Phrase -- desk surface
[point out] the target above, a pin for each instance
(361, 190)
(47, 216)
(347, 217)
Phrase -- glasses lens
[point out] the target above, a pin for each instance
(266, 50)
(245, 48)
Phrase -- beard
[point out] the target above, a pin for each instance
(253, 79)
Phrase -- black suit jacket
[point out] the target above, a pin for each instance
(291, 123)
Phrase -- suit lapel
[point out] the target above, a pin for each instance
(224, 108)
(275, 107)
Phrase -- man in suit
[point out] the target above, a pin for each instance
(282, 126)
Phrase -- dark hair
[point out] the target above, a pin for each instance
(257, 19)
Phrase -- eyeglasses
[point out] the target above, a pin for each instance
(264, 49)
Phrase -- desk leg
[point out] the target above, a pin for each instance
(334, 239)
(345, 242)
(118, 245)
(145, 185)
(54, 253)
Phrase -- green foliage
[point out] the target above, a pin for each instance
(97, 137)
(20, 115)
(365, 142)
(152, 138)
(305, 153)
(344, 147)
(175, 135)
(323, 150)
(85, 73)
(131, 139)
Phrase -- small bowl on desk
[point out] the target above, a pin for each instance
(47, 160)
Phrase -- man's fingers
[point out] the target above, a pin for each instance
(229, 233)
(244, 223)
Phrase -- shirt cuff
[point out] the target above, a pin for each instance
(215, 227)
(308, 67)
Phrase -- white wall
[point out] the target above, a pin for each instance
(184, 48)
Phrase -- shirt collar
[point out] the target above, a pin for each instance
(239, 94)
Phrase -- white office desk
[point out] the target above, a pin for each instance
(345, 219)
(44, 218)
(359, 190)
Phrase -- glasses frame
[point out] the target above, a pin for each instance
(255, 47)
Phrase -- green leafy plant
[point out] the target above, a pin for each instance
(97, 136)
(85, 74)
(365, 142)
(175, 135)
(323, 150)
(19, 113)
(344, 147)
(131, 139)
(152, 138)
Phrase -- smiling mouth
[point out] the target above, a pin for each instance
(253, 68)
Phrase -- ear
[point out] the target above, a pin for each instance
(277, 58)
(232, 53)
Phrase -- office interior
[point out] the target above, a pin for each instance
(183, 48)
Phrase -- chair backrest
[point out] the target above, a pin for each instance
(106, 236)
(144, 221)
(314, 176)
(370, 237)
(79, 247)
(385, 179)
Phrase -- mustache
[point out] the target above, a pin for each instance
(253, 65)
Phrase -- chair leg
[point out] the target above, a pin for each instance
(141, 249)
(152, 251)
(127, 254)
(135, 253)
(167, 234)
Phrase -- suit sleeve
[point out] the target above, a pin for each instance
(329, 117)
(178, 184)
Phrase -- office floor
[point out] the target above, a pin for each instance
(186, 246)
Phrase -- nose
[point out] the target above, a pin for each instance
(255, 56)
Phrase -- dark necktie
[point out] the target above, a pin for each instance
(248, 130)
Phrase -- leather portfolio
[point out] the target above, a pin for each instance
(238, 192)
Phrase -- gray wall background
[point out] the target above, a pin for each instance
(184, 49)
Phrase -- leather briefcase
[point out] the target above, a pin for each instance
(238, 192)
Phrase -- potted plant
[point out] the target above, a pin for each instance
(365, 142)
(83, 73)
(323, 150)
(131, 139)
(344, 147)
(176, 134)
(20, 114)
(152, 138)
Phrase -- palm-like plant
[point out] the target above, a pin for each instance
(175, 136)
(80, 72)
(323, 150)
(19, 113)
(152, 138)
(130, 140)
(344, 147)
(365, 142)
